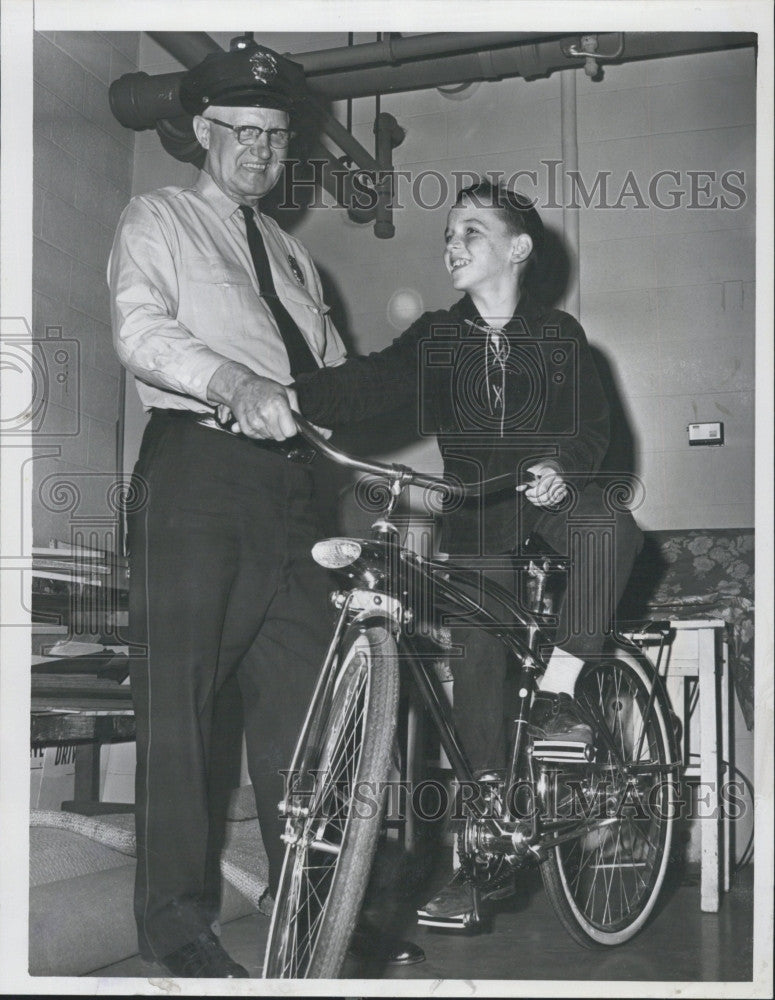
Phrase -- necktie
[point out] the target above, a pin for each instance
(299, 354)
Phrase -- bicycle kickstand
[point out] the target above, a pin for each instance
(476, 918)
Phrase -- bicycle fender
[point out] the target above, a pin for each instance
(636, 655)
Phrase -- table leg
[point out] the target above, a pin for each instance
(709, 773)
(727, 754)
(87, 772)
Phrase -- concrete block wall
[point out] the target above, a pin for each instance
(667, 295)
(83, 162)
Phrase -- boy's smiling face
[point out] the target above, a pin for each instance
(481, 250)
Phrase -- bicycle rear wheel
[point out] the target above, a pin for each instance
(604, 885)
(331, 841)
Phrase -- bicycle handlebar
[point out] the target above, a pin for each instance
(401, 473)
(398, 473)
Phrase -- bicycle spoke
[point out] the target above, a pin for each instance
(609, 875)
(348, 740)
(315, 860)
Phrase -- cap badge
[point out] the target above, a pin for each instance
(263, 67)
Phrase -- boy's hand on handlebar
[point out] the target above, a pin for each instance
(259, 407)
(548, 488)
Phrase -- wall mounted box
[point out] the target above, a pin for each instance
(708, 433)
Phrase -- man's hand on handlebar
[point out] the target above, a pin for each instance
(256, 406)
(548, 488)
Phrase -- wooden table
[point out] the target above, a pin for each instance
(698, 651)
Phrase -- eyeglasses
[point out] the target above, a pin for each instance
(247, 135)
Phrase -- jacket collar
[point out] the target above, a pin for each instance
(528, 311)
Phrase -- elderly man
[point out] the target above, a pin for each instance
(216, 309)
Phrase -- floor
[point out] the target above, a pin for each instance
(526, 942)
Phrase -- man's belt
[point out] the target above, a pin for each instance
(294, 449)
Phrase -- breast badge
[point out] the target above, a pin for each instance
(297, 272)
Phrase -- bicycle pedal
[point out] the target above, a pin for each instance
(466, 923)
(561, 751)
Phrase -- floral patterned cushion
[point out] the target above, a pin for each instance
(702, 572)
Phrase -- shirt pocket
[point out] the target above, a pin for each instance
(215, 271)
(218, 301)
(309, 313)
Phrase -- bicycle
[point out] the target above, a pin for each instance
(597, 820)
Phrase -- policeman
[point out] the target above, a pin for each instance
(215, 311)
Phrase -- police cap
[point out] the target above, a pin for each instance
(250, 75)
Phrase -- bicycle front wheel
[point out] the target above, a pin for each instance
(604, 885)
(332, 838)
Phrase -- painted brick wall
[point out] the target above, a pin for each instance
(83, 162)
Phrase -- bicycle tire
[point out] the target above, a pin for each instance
(327, 864)
(604, 885)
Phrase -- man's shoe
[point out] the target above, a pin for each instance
(453, 907)
(204, 958)
(402, 952)
(368, 943)
(556, 716)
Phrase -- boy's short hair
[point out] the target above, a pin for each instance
(519, 212)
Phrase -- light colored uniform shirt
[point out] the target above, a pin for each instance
(185, 297)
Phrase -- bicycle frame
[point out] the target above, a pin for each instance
(381, 581)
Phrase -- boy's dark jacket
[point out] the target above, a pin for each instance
(495, 407)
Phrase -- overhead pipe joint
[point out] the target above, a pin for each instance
(389, 134)
(588, 50)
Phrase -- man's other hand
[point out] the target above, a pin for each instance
(259, 406)
(548, 488)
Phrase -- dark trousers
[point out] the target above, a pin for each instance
(222, 587)
(601, 543)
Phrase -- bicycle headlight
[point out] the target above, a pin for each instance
(336, 553)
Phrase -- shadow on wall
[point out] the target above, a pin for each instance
(552, 275)
(622, 454)
(551, 283)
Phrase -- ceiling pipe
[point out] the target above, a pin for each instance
(393, 49)
(188, 47)
(570, 212)
(388, 135)
(527, 59)
(191, 47)
(530, 59)
(344, 139)
(138, 100)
